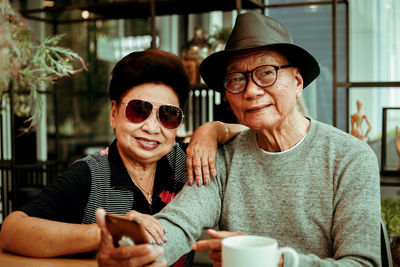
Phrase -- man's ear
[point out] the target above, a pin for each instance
(113, 113)
(299, 83)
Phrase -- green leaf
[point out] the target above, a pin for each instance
(29, 63)
(390, 209)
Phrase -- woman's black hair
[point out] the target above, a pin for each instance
(149, 66)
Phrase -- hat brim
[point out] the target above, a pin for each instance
(212, 68)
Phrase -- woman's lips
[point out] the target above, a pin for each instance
(147, 143)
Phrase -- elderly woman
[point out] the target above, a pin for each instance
(307, 184)
(141, 170)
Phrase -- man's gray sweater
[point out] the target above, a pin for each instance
(320, 197)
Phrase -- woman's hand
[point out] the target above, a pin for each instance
(201, 154)
(154, 229)
(127, 256)
(202, 149)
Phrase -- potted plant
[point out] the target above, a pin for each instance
(219, 38)
(390, 209)
(28, 65)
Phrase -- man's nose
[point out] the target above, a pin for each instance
(252, 89)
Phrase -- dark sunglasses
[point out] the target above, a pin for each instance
(137, 111)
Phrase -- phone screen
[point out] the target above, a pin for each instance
(125, 231)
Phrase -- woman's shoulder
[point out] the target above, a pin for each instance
(96, 157)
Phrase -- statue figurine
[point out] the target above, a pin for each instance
(397, 142)
(356, 123)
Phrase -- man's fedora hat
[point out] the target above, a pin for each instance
(254, 30)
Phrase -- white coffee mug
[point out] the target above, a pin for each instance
(253, 251)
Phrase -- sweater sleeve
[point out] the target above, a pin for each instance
(65, 199)
(191, 211)
(356, 217)
(357, 214)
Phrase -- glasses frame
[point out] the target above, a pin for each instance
(155, 105)
(251, 72)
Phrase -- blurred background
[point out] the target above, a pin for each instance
(357, 43)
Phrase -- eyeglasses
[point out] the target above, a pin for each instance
(137, 111)
(263, 76)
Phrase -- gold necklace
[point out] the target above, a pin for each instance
(148, 194)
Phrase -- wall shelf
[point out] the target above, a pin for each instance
(390, 181)
(138, 9)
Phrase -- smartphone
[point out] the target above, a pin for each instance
(125, 231)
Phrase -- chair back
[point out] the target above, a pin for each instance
(386, 254)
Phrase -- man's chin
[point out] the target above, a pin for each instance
(258, 123)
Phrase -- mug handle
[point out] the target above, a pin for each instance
(292, 252)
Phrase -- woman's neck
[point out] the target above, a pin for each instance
(144, 171)
(284, 136)
(141, 172)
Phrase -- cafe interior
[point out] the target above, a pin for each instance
(47, 127)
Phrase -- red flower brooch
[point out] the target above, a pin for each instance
(166, 196)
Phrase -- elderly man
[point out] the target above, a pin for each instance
(307, 184)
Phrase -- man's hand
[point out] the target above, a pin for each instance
(127, 256)
(214, 245)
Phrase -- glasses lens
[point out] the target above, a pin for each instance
(170, 116)
(264, 75)
(138, 111)
(235, 82)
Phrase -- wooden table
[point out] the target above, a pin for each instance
(10, 260)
